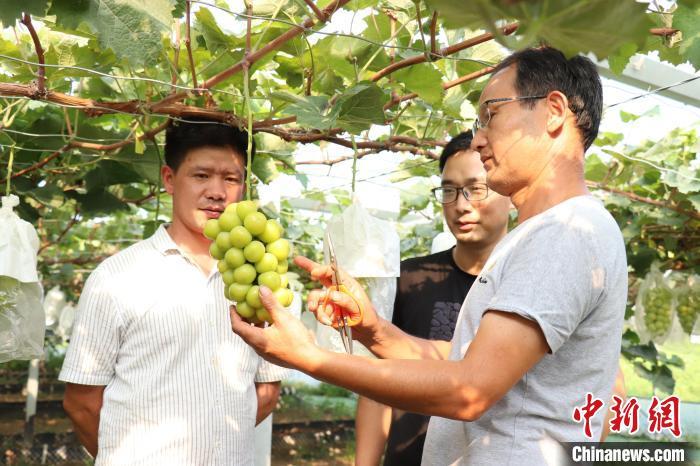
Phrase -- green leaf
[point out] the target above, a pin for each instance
(619, 60)
(150, 227)
(264, 168)
(108, 173)
(596, 170)
(685, 18)
(98, 202)
(572, 26)
(684, 178)
(13, 9)
(608, 139)
(414, 168)
(132, 28)
(359, 107)
(214, 37)
(309, 110)
(423, 79)
(647, 352)
(417, 196)
(146, 165)
(48, 194)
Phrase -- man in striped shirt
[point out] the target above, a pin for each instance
(154, 374)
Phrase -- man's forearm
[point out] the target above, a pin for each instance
(390, 342)
(434, 387)
(267, 394)
(86, 424)
(372, 423)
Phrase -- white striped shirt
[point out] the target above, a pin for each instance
(179, 383)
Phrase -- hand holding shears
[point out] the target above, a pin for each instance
(341, 318)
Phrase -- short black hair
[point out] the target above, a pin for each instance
(461, 142)
(183, 136)
(541, 70)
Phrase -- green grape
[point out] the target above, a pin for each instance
(657, 310)
(688, 308)
(234, 258)
(263, 315)
(211, 228)
(223, 240)
(244, 274)
(228, 277)
(255, 223)
(229, 220)
(272, 232)
(268, 263)
(282, 267)
(240, 237)
(215, 252)
(222, 266)
(244, 310)
(280, 248)
(254, 251)
(238, 291)
(270, 279)
(245, 208)
(253, 297)
(284, 296)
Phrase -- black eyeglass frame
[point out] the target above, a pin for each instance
(461, 189)
(478, 124)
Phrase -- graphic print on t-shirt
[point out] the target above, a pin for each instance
(444, 319)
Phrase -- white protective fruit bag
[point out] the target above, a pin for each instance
(688, 303)
(21, 310)
(655, 307)
(368, 249)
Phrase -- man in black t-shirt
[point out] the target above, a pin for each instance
(478, 218)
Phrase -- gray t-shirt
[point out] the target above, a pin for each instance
(566, 270)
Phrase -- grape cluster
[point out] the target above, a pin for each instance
(657, 303)
(688, 309)
(251, 252)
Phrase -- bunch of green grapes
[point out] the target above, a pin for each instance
(657, 303)
(251, 252)
(688, 308)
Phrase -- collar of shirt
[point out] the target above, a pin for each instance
(163, 242)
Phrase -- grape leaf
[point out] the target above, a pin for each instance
(423, 79)
(132, 28)
(13, 9)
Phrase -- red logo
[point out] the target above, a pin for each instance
(626, 414)
(586, 412)
(665, 415)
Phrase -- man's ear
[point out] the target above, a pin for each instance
(557, 108)
(167, 174)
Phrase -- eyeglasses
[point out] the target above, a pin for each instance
(473, 192)
(482, 121)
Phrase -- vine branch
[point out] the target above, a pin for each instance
(433, 33)
(41, 73)
(635, 197)
(395, 99)
(188, 45)
(254, 57)
(72, 222)
(319, 14)
(450, 50)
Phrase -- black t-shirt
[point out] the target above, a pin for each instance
(429, 295)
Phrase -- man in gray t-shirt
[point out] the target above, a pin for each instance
(540, 328)
(565, 269)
